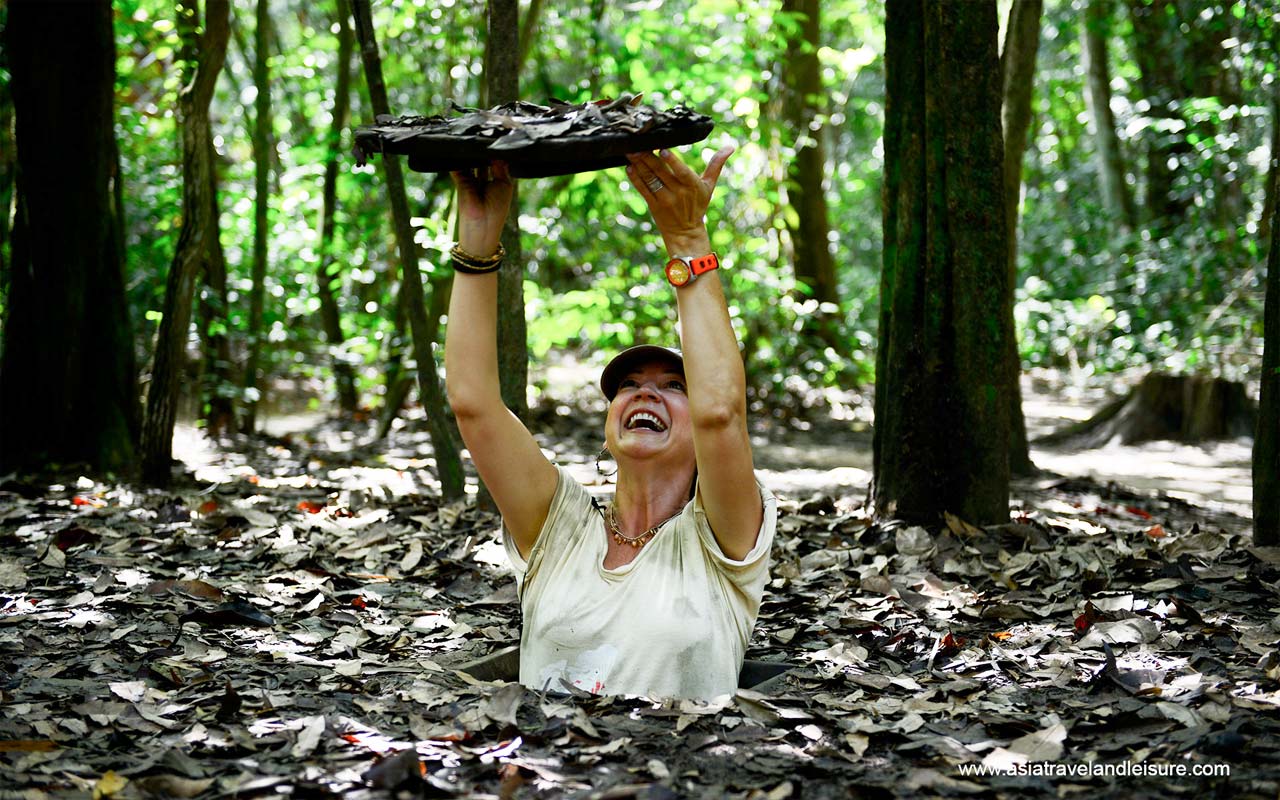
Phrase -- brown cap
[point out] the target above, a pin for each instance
(628, 359)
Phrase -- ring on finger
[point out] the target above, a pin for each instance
(655, 184)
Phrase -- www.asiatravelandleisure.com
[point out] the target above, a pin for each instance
(1097, 769)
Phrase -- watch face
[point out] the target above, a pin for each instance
(678, 272)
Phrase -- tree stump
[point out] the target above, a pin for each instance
(1187, 408)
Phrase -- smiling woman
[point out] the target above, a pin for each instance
(656, 593)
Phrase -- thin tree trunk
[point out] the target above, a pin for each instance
(1266, 441)
(1116, 194)
(941, 436)
(812, 263)
(8, 156)
(502, 85)
(68, 386)
(448, 461)
(207, 52)
(218, 408)
(1018, 65)
(503, 79)
(261, 204)
(344, 375)
(396, 384)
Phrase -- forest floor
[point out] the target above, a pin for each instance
(287, 620)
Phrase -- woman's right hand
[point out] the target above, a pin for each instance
(483, 203)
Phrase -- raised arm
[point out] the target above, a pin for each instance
(712, 364)
(519, 477)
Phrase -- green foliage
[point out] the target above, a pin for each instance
(1184, 295)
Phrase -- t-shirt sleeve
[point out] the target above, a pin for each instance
(569, 503)
(751, 572)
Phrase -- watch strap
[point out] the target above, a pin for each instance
(703, 264)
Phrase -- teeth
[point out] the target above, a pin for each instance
(645, 415)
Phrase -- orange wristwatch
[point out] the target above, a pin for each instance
(682, 270)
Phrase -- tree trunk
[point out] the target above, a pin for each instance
(8, 154)
(68, 391)
(448, 461)
(502, 85)
(502, 77)
(343, 374)
(1116, 194)
(1186, 408)
(206, 53)
(1018, 66)
(217, 405)
(1266, 440)
(941, 438)
(396, 384)
(802, 77)
(261, 205)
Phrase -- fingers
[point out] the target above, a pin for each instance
(651, 164)
(641, 183)
(678, 168)
(711, 175)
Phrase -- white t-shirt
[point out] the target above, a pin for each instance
(672, 623)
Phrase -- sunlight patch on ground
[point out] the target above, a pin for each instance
(1217, 474)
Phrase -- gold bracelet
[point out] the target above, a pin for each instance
(458, 254)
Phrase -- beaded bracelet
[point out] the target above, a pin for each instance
(469, 264)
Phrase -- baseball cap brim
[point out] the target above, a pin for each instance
(629, 359)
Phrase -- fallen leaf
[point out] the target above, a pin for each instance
(1136, 630)
(191, 588)
(228, 615)
(27, 746)
(109, 785)
(309, 736)
(404, 768)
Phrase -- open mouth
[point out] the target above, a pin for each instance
(643, 420)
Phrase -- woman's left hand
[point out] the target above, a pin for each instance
(677, 196)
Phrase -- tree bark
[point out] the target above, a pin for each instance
(1187, 408)
(396, 384)
(68, 391)
(7, 173)
(327, 276)
(503, 79)
(502, 85)
(1116, 194)
(802, 77)
(261, 206)
(941, 437)
(448, 461)
(1266, 440)
(1018, 66)
(205, 53)
(218, 408)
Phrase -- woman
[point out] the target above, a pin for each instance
(656, 593)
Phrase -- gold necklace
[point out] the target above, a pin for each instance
(611, 519)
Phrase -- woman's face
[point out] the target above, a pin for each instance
(649, 416)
